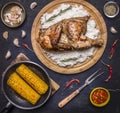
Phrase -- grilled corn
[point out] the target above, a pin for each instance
(32, 79)
(22, 88)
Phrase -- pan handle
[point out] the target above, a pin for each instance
(7, 108)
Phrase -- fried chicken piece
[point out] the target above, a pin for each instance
(65, 44)
(51, 36)
(74, 28)
(69, 34)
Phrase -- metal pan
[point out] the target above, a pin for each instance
(13, 98)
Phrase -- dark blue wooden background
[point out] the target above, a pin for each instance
(81, 103)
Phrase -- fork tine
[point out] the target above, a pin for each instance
(89, 81)
(93, 74)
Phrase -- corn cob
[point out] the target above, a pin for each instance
(22, 88)
(32, 79)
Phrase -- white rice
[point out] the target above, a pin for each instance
(80, 56)
(92, 32)
(76, 11)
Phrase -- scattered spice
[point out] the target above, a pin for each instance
(5, 35)
(27, 47)
(61, 11)
(113, 30)
(23, 33)
(16, 42)
(69, 83)
(33, 5)
(8, 54)
(112, 51)
(110, 71)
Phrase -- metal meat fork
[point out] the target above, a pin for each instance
(89, 80)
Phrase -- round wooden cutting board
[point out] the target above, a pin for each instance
(78, 67)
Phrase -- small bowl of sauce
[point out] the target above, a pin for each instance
(111, 9)
(99, 96)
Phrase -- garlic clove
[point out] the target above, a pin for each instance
(33, 5)
(16, 42)
(23, 33)
(113, 30)
(5, 35)
(8, 54)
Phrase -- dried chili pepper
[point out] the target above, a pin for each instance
(112, 51)
(27, 47)
(68, 84)
(110, 71)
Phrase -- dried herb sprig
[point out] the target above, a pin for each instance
(61, 11)
(69, 59)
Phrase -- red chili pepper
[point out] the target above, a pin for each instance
(68, 84)
(27, 47)
(112, 51)
(110, 71)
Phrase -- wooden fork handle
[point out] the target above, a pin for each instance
(68, 99)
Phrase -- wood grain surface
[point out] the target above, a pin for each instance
(94, 13)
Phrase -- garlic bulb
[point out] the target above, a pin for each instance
(33, 5)
(16, 42)
(5, 35)
(23, 33)
(113, 30)
(8, 54)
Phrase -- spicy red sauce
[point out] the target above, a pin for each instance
(99, 96)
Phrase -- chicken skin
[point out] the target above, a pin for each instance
(69, 34)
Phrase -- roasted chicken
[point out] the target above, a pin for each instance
(69, 34)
